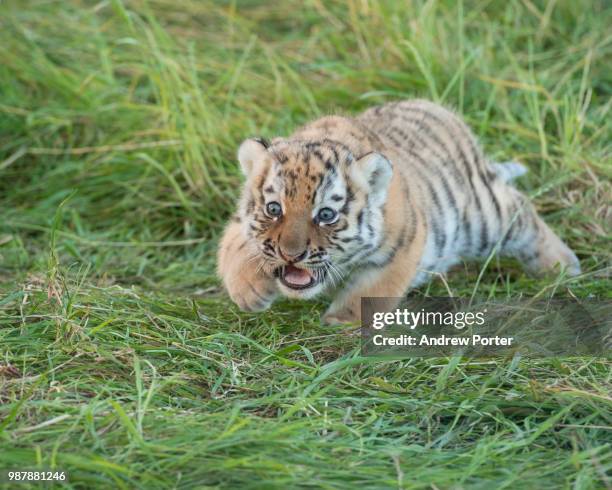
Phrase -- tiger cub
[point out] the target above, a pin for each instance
(372, 206)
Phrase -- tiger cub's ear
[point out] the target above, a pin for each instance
(250, 152)
(376, 171)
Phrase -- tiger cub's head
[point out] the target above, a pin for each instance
(313, 209)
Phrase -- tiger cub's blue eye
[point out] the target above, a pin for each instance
(326, 215)
(274, 209)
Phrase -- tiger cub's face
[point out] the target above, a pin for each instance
(313, 209)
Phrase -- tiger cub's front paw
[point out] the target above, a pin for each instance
(248, 285)
(252, 292)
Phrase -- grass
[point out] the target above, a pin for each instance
(121, 360)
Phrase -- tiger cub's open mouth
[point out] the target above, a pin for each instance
(296, 277)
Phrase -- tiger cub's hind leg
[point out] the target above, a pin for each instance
(529, 239)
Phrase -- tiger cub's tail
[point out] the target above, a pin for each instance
(508, 171)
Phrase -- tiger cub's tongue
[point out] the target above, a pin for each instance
(294, 275)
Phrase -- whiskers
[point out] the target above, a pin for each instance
(336, 275)
(261, 262)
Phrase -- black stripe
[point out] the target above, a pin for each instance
(262, 141)
(439, 236)
(407, 208)
(467, 228)
(350, 197)
(254, 291)
(433, 149)
(487, 185)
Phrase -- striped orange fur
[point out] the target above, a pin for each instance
(372, 206)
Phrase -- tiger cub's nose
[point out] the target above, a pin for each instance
(291, 256)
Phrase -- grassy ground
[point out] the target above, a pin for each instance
(122, 362)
